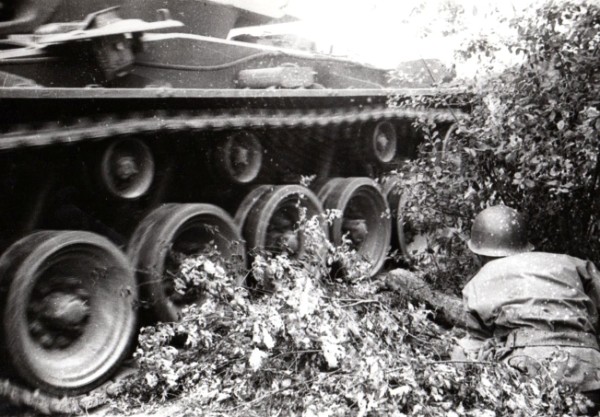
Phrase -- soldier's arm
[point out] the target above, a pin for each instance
(476, 327)
(470, 346)
(590, 277)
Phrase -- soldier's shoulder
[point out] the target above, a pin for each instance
(556, 257)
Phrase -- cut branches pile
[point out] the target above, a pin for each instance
(300, 342)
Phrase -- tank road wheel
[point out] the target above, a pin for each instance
(269, 218)
(364, 218)
(172, 233)
(248, 202)
(402, 232)
(68, 313)
(127, 169)
(326, 188)
(382, 142)
(239, 158)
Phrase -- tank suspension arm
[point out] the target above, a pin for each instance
(39, 204)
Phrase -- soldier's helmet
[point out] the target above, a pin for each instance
(499, 231)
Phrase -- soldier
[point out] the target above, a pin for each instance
(524, 307)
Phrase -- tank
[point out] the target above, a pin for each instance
(132, 130)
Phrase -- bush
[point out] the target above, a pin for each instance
(530, 142)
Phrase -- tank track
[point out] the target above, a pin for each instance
(19, 396)
(135, 123)
(78, 130)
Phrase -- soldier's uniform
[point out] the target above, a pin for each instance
(524, 307)
(535, 306)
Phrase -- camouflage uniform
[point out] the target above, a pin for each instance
(534, 306)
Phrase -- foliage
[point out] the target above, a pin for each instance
(318, 345)
(530, 142)
(302, 341)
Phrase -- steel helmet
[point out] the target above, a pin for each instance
(499, 231)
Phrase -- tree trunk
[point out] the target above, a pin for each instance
(447, 308)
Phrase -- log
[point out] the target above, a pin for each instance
(448, 309)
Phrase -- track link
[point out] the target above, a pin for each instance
(20, 396)
(79, 130)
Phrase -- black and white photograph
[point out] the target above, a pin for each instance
(312, 208)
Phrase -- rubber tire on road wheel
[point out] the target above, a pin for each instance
(158, 232)
(258, 209)
(392, 191)
(363, 191)
(108, 333)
